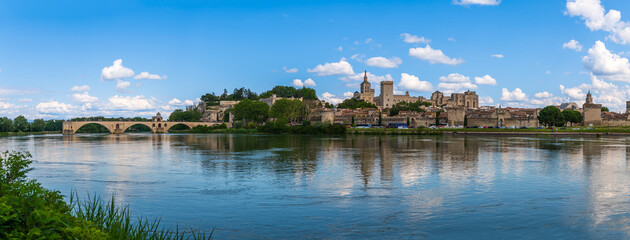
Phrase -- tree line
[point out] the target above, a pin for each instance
(212, 99)
(552, 116)
(21, 124)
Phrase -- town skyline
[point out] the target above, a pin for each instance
(75, 59)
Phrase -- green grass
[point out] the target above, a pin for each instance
(12, 134)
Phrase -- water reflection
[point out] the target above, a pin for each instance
(261, 186)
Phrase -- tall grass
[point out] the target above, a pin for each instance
(117, 223)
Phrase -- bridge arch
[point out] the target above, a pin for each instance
(139, 123)
(78, 125)
(169, 125)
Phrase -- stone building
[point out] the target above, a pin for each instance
(468, 100)
(271, 100)
(592, 112)
(386, 98)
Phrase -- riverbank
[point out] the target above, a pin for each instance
(13, 134)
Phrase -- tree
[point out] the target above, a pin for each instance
(465, 121)
(551, 116)
(408, 106)
(437, 117)
(572, 116)
(291, 92)
(352, 103)
(190, 115)
(6, 125)
(605, 109)
(249, 110)
(380, 118)
(293, 109)
(21, 124)
(38, 125)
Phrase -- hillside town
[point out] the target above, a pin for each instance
(387, 109)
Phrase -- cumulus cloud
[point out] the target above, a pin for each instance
(497, 55)
(307, 83)
(80, 88)
(54, 107)
(477, 2)
(5, 105)
(514, 96)
(178, 102)
(573, 44)
(485, 80)
(84, 97)
(382, 62)
(612, 96)
(408, 38)
(574, 93)
(25, 100)
(131, 103)
(543, 95)
(116, 71)
(455, 82)
(331, 98)
(602, 63)
(354, 80)
(147, 75)
(290, 70)
(596, 18)
(433, 55)
(485, 100)
(335, 68)
(122, 85)
(348, 94)
(413, 83)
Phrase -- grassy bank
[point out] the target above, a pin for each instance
(30, 211)
(12, 134)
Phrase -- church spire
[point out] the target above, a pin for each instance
(365, 76)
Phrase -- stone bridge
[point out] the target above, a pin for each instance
(118, 127)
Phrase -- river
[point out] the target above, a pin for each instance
(351, 187)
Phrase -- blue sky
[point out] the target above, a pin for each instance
(513, 53)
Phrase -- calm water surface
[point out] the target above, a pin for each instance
(353, 187)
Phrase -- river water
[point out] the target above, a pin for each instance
(351, 187)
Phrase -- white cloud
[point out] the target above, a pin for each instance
(392, 62)
(573, 93)
(131, 103)
(455, 78)
(602, 63)
(515, 96)
(147, 75)
(25, 100)
(433, 55)
(543, 95)
(309, 83)
(335, 68)
(408, 38)
(340, 48)
(354, 80)
(116, 71)
(452, 39)
(369, 40)
(573, 44)
(413, 83)
(290, 70)
(485, 80)
(592, 12)
(612, 96)
(81, 88)
(348, 94)
(178, 102)
(485, 100)
(547, 72)
(477, 2)
(497, 55)
(6, 105)
(122, 85)
(84, 97)
(297, 83)
(331, 98)
(54, 107)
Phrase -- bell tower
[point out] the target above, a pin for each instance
(365, 85)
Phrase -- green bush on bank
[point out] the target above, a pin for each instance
(29, 211)
(281, 125)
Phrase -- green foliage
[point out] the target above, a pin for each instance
(465, 121)
(238, 94)
(21, 124)
(6, 125)
(280, 126)
(328, 105)
(437, 117)
(248, 110)
(189, 115)
(53, 125)
(38, 125)
(605, 109)
(406, 106)
(572, 116)
(380, 118)
(291, 92)
(551, 116)
(29, 211)
(92, 128)
(352, 103)
(293, 109)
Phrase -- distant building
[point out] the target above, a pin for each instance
(592, 112)
(468, 100)
(271, 100)
(387, 98)
(570, 106)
